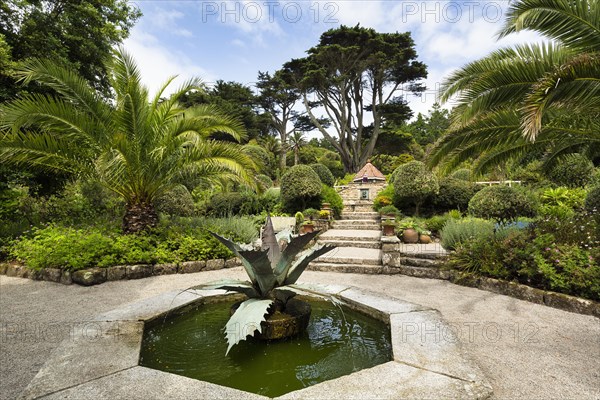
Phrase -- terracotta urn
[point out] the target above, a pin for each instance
(425, 239)
(410, 235)
(389, 230)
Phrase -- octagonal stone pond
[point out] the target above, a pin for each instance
(101, 359)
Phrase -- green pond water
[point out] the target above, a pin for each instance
(337, 342)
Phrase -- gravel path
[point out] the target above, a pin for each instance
(527, 351)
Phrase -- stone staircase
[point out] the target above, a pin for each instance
(357, 236)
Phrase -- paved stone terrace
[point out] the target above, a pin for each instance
(526, 350)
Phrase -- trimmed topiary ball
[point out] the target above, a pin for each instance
(300, 188)
(414, 183)
(573, 171)
(501, 203)
(324, 174)
(455, 193)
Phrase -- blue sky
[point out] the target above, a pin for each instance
(233, 40)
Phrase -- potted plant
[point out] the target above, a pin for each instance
(389, 227)
(424, 236)
(389, 211)
(308, 226)
(299, 220)
(271, 309)
(408, 228)
(324, 214)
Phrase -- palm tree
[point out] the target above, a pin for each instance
(296, 141)
(539, 96)
(138, 147)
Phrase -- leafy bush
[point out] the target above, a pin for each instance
(271, 200)
(388, 210)
(387, 163)
(299, 218)
(178, 201)
(333, 162)
(300, 187)
(264, 182)
(463, 174)
(311, 213)
(456, 231)
(561, 202)
(573, 171)
(324, 174)
(592, 200)
(455, 193)
(532, 258)
(235, 203)
(502, 203)
(414, 183)
(384, 198)
(176, 240)
(261, 157)
(331, 196)
(436, 223)
(346, 179)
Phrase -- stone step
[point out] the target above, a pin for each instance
(363, 227)
(430, 251)
(352, 234)
(355, 222)
(418, 272)
(346, 268)
(360, 215)
(352, 243)
(348, 260)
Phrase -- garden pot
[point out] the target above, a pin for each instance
(283, 322)
(389, 230)
(410, 236)
(425, 239)
(308, 228)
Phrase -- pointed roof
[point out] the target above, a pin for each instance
(370, 171)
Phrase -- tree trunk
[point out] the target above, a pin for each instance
(139, 217)
(282, 160)
(296, 158)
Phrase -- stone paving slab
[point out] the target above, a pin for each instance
(352, 234)
(422, 339)
(378, 305)
(352, 255)
(95, 349)
(141, 383)
(391, 380)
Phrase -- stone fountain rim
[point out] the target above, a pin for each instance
(101, 360)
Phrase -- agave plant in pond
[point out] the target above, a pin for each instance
(271, 271)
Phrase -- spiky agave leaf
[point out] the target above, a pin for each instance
(295, 246)
(245, 321)
(305, 258)
(236, 249)
(233, 285)
(269, 242)
(261, 267)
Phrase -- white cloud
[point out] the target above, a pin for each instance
(167, 21)
(157, 63)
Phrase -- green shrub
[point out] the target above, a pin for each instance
(345, 180)
(502, 203)
(437, 222)
(271, 200)
(261, 157)
(324, 174)
(300, 188)
(455, 193)
(387, 163)
(573, 171)
(178, 201)
(384, 198)
(311, 213)
(388, 210)
(414, 183)
(234, 203)
(331, 196)
(299, 218)
(333, 162)
(561, 202)
(592, 200)
(532, 258)
(264, 182)
(456, 231)
(463, 174)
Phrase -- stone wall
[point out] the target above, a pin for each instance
(351, 195)
(95, 276)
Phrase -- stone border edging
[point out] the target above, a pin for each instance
(95, 276)
(548, 298)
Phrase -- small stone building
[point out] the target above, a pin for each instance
(358, 195)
